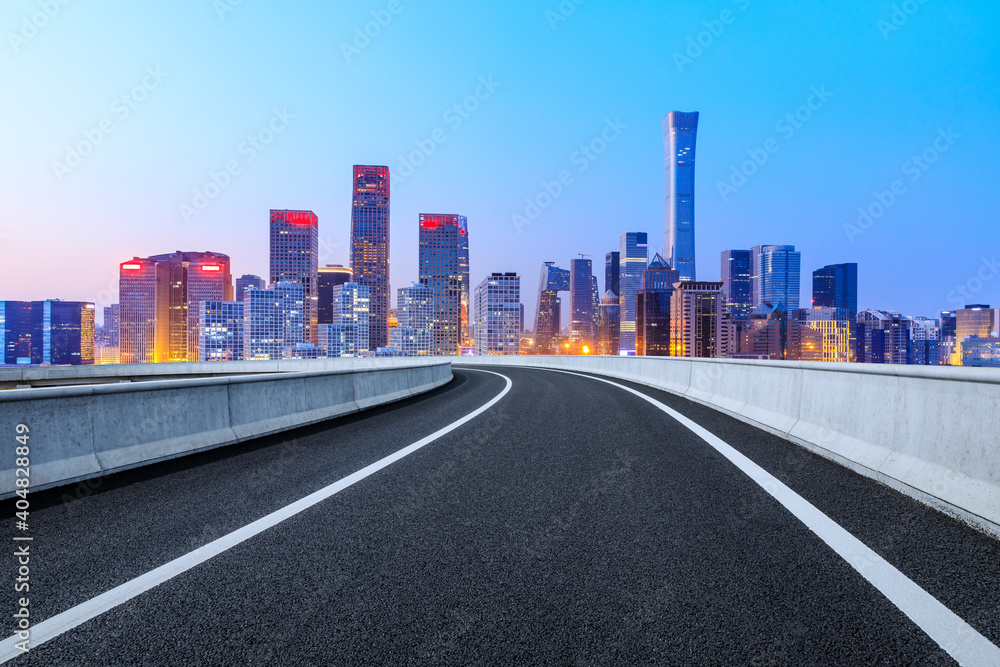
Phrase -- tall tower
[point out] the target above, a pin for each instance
(581, 297)
(775, 276)
(680, 134)
(836, 286)
(370, 246)
(295, 259)
(634, 257)
(736, 272)
(548, 312)
(443, 245)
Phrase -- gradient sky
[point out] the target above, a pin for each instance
(559, 83)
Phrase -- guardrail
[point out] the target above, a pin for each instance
(80, 432)
(930, 432)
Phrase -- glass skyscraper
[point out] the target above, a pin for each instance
(498, 315)
(370, 245)
(54, 332)
(411, 337)
(680, 134)
(633, 258)
(246, 281)
(330, 276)
(612, 272)
(776, 276)
(548, 315)
(652, 311)
(222, 329)
(736, 272)
(443, 246)
(295, 259)
(581, 295)
(836, 286)
(348, 335)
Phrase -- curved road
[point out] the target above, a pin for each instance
(569, 522)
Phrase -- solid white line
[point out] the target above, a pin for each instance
(71, 618)
(961, 641)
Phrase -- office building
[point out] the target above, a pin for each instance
(609, 325)
(652, 309)
(696, 319)
(329, 277)
(137, 302)
(52, 332)
(837, 331)
(443, 240)
(612, 272)
(370, 245)
(883, 337)
(982, 352)
(222, 329)
(735, 274)
(245, 282)
(295, 259)
(581, 296)
(946, 344)
(634, 258)
(925, 341)
(411, 337)
(112, 319)
(293, 297)
(775, 276)
(974, 320)
(498, 315)
(264, 317)
(680, 134)
(548, 312)
(836, 286)
(349, 334)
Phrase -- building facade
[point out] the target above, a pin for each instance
(581, 297)
(652, 311)
(680, 135)
(696, 318)
(245, 282)
(776, 276)
(222, 329)
(349, 334)
(52, 332)
(736, 270)
(498, 315)
(295, 259)
(263, 325)
(612, 272)
(836, 286)
(370, 245)
(883, 337)
(411, 337)
(443, 240)
(634, 258)
(548, 310)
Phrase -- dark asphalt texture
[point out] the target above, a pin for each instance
(573, 523)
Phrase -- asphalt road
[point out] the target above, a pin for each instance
(570, 523)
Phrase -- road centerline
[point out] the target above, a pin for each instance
(81, 613)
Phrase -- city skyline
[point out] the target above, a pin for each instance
(841, 158)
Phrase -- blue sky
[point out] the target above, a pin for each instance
(897, 80)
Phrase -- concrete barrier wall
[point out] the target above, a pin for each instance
(81, 432)
(930, 432)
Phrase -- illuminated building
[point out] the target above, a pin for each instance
(634, 258)
(946, 346)
(581, 297)
(837, 333)
(348, 335)
(883, 337)
(973, 320)
(137, 297)
(498, 315)
(294, 306)
(222, 329)
(608, 325)
(263, 325)
(330, 276)
(443, 240)
(925, 341)
(652, 309)
(696, 314)
(680, 135)
(836, 286)
(775, 276)
(548, 315)
(981, 352)
(411, 337)
(612, 271)
(370, 245)
(52, 332)
(112, 318)
(736, 271)
(245, 282)
(465, 296)
(295, 259)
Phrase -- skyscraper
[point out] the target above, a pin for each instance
(498, 315)
(348, 335)
(836, 286)
(680, 134)
(370, 245)
(652, 309)
(696, 314)
(293, 297)
(411, 337)
(612, 271)
(736, 271)
(329, 277)
(975, 319)
(263, 325)
(581, 297)
(137, 297)
(54, 332)
(465, 295)
(548, 312)
(776, 276)
(295, 259)
(634, 257)
(209, 278)
(222, 328)
(443, 239)
(883, 338)
(244, 282)
(609, 325)
(112, 317)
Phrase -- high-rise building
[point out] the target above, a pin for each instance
(112, 319)
(609, 325)
(652, 309)
(295, 259)
(548, 312)
(209, 278)
(465, 295)
(294, 307)
(411, 337)
(349, 334)
(612, 272)
(246, 281)
(974, 320)
(883, 337)
(776, 275)
(137, 327)
(837, 329)
(370, 245)
(581, 296)
(443, 239)
(330, 276)
(983, 352)
(680, 135)
(696, 315)
(60, 333)
(264, 317)
(925, 341)
(634, 258)
(736, 270)
(222, 329)
(946, 346)
(498, 315)
(836, 286)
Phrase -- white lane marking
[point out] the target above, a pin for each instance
(71, 618)
(961, 641)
